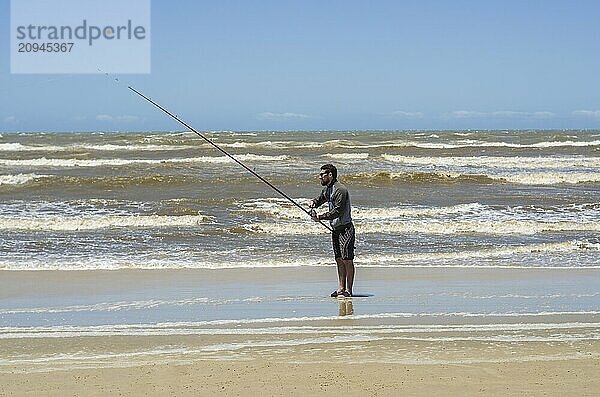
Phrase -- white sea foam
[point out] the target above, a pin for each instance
(590, 245)
(516, 162)
(465, 143)
(283, 209)
(491, 227)
(290, 342)
(517, 256)
(61, 223)
(371, 214)
(279, 327)
(19, 147)
(467, 256)
(523, 178)
(552, 178)
(347, 156)
(108, 147)
(482, 144)
(147, 147)
(271, 145)
(67, 163)
(547, 144)
(19, 179)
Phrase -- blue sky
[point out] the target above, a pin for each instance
(287, 65)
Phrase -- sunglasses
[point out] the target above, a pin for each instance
(322, 174)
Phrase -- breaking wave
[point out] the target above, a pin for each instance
(510, 256)
(19, 179)
(66, 163)
(76, 223)
(440, 227)
(516, 162)
(454, 177)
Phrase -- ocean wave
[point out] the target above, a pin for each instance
(35, 181)
(516, 162)
(133, 148)
(511, 256)
(385, 177)
(113, 182)
(418, 177)
(20, 179)
(19, 147)
(552, 178)
(439, 227)
(271, 145)
(164, 144)
(77, 223)
(312, 325)
(383, 213)
(291, 144)
(454, 177)
(283, 209)
(465, 257)
(546, 144)
(483, 144)
(67, 163)
(347, 156)
(458, 144)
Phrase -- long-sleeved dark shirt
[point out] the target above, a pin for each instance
(337, 196)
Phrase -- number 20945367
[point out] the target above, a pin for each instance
(45, 47)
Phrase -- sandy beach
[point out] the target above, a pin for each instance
(551, 370)
(275, 344)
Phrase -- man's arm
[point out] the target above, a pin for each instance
(318, 201)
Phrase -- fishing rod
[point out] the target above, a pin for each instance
(225, 153)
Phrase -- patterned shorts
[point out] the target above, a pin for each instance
(343, 242)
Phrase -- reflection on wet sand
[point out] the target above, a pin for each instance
(346, 308)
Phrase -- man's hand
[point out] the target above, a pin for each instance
(314, 216)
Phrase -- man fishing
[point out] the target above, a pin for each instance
(339, 216)
(334, 192)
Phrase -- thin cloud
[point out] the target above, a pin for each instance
(281, 116)
(405, 115)
(499, 114)
(507, 114)
(464, 114)
(543, 115)
(104, 117)
(10, 120)
(586, 113)
(107, 117)
(126, 119)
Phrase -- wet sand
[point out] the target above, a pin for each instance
(425, 331)
(543, 373)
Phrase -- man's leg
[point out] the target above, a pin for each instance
(341, 267)
(349, 272)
